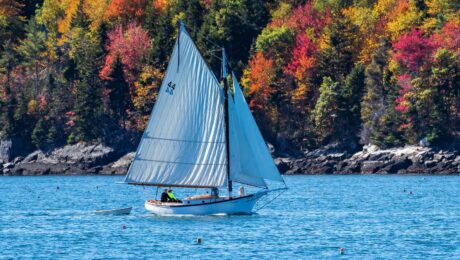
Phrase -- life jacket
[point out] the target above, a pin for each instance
(171, 196)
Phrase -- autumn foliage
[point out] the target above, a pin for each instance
(314, 72)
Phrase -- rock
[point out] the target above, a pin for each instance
(8, 165)
(34, 157)
(398, 165)
(373, 166)
(18, 159)
(124, 161)
(430, 164)
(282, 165)
(370, 148)
(12, 148)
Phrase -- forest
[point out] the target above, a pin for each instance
(352, 72)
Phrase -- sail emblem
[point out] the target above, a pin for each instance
(170, 88)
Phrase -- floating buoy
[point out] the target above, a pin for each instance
(123, 226)
(57, 188)
(199, 240)
(342, 251)
(410, 193)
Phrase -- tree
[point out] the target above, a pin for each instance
(131, 47)
(381, 122)
(232, 25)
(118, 93)
(349, 107)
(32, 50)
(373, 104)
(325, 113)
(88, 90)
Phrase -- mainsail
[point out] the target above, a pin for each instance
(184, 142)
(251, 162)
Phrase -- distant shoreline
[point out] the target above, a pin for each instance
(96, 159)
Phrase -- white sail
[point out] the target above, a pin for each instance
(184, 142)
(250, 160)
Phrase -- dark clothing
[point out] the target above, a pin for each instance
(164, 197)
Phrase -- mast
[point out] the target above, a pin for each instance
(227, 120)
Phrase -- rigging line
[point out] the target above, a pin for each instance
(161, 161)
(184, 141)
(210, 52)
(270, 201)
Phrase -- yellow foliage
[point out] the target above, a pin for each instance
(70, 7)
(384, 7)
(365, 19)
(32, 107)
(283, 10)
(95, 9)
(145, 91)
(405, 16)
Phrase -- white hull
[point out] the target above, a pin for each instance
(233, 206)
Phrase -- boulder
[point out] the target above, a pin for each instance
(11, 148)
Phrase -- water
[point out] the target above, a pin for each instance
(372, 217)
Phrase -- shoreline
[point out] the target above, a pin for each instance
(96, 159)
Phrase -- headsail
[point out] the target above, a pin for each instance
(184, 142)
(251, 162)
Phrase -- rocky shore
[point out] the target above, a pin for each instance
(99, 159)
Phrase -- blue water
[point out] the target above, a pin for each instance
(370, 216)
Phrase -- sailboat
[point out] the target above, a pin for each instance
(202, 135)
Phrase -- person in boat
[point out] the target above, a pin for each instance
(164, 196)
(214, 192)
(241, 191)
(171, 196)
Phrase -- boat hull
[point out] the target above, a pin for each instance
(234, 206)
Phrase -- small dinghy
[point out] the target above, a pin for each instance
(123, 211)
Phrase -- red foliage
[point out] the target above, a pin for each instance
(450, 36)
(404, 82)
(413, 50)
(302, 61)
(304, 17)
(131, 47)
(128, 9)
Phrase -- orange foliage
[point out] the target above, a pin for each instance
(258, 79)
(126, 9)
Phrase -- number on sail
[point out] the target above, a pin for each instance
(170, 88)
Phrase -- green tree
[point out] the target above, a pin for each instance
(326, 110)
(119, 93)
(32, 51)
(349, 110)
(88, 89)
(381, 122)
(39, 133)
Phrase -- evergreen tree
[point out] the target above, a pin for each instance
(230, 24)
(8, 100)
(39, 133)
(32, 50)
(337, 60)
(325, 114)
(163, 33)
(119, 93)
(88, 90)
(349, 114)
(381, 121)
